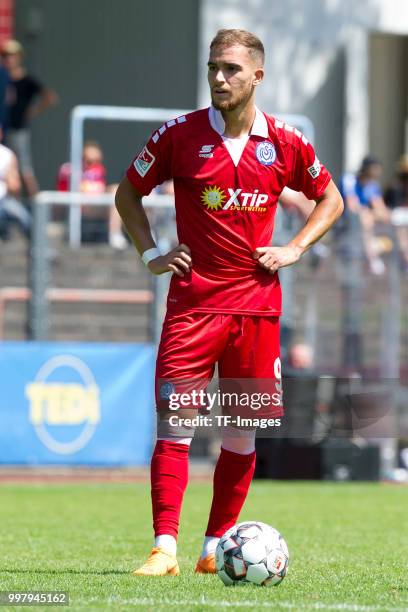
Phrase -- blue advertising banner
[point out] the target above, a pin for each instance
(76, 404)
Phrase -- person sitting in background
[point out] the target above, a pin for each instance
(98, 224)
(363, 197)
(11, 210)
(29, 99)
(396, 198)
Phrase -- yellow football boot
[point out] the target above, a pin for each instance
(206, 565)
(159, 563)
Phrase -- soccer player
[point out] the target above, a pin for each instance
(230, 163)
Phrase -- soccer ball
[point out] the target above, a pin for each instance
(252, 552)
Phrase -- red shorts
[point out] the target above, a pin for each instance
(246, 349)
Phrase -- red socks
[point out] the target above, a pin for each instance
(169, 476)
(232, 479)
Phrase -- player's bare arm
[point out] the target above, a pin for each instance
(328, 209)
(129, 205)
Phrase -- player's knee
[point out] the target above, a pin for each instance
(176, 426)
(240, 441)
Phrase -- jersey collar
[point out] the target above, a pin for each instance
(259, 126)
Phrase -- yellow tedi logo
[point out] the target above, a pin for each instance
(63, 404)
(213, 198)
(54, 404)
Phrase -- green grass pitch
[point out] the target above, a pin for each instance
(348, 546)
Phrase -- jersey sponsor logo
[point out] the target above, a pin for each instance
(144, 161)
(314, 170)
(265, 153)
(215, 198)
(206, 151)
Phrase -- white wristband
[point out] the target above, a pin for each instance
(150, 254)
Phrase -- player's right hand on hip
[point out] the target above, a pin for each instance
(178, 260)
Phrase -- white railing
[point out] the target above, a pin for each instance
(79, 115)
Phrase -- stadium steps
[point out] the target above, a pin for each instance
(90, 267)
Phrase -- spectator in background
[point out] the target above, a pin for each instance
(98, 224)
(396, 198)
(29, 99)
(305, 388)
(11, 210)
(4, 97)
(301, 357)
(363, 197)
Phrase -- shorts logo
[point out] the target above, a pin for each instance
(265, 153)
(166, 390)
(144, 161)
(314, 170)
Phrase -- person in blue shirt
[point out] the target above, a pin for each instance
(362, 195)
(4, 97)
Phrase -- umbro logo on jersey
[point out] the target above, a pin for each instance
(215, 198)
(206, 151)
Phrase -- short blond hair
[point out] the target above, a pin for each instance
(230, 38)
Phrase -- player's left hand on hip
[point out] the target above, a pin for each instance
(273, 258)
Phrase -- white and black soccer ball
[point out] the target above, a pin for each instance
(252, 552)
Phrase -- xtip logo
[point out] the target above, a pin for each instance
(215, 198)
(64, 409)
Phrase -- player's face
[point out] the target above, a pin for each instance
(232, 75)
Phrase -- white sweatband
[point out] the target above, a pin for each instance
(150, 254)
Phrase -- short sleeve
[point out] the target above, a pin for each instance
(307, 173)
(153, 165)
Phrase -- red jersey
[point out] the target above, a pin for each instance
(224, 211)
(93, 178)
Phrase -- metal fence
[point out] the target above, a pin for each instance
(332, 303)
